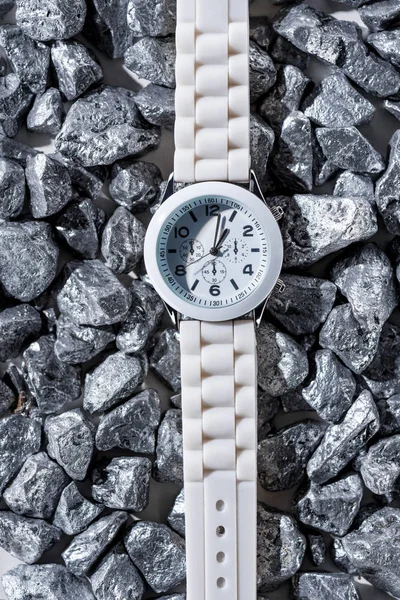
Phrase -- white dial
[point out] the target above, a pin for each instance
(214, 271)
(236, 250)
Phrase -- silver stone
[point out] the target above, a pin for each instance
(382, 375)
(20, 437)
(165, 359)
(380, 467)
(124, 484)
(262, 140)
(18, 325)
(325, 586)
(80, 224)
(7, 398)
(354, 184)
(261, 31)
(293, 401)
(387, 44)
(123, 241)
(74, 512)
(15, 100)
(284, 52)
(317, 548)
(148, 544)
(176, 516)
(50, 19)
(116, 577)
(80, 343)
(393, 107)
(26, 539)
(106, 26)
(104, 126)
(153, 59)
(132, 425)
(389, 414)
(152, 17)
(76, 67)
(16, 151)
(168, 466)
(282, 457)
(380, 14)
(47, 113)
(49, 185)
(267, 408)
(88, 182)
(343, 441)
(157, 105)
(387, 188)
(135, 184)
(262, 72)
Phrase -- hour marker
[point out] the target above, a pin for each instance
(255, 249)
(235, 285)
(194, 286)
(233, 215)
(191, 213)
(172, 251)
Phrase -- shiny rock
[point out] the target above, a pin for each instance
(262, 140)
(74, 512)
(123, 241)
(7, 398)
(153, 59)
(49, 185)
(50, 19)
(20, 437)
(165, 359)
(317, 548)
(380, 467)
(135, 184)
(47, 113)
(262, 72)
(284, 52)
(387, 188)
(12, 189)
(325, 586)
(76, 67)
(176, 516)
(157, 105)
(24, 538)
(16, 151)
(107, 26)
(380, 14)
(387, 44)
(18, 325)
(261, 31)
(382, 375)
(156, 18)
(389, 414)
(15, 100)
(116, 577)
(80, 225)
(350, 184)
(168, 466)
(80, 343)
(124, 484)
(88, 182)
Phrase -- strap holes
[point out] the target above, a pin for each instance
(220, 505)
(220, 557)
(221, 582)
(220, 530)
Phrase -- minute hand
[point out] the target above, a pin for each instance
(215, 249)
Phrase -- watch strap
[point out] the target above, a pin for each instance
(212, 127)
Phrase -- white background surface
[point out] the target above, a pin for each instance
(379, 133)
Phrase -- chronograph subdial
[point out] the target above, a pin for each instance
(235, 250)
(191, 251)
(214, 271)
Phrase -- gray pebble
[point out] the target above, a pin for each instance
(261, 31)
(156, 18)
(18, 325)
(92, 295)
(76, 67)
(104, 126)
(123, 241)
(159, 553)
(116, 577)
(262, 140)
(340, 557)
(37, 488)
(89, 545)
(47, 113)
(74, 512)
(113, 380)
(325, 586)
(168, 466)
(7, 398)
(52, 383)
(282, 362)
(382, 375)
(165, 359)
(106, 26)
(281, 548)
(15, 100)
(20, 437)
(283, 456)
(346, 148)
(380, 467)
(176, 516)
(153, 59)
(317, 548)
(124, 484)
(387, 44)
(343, 441)
(157, 105)
(386, 190)
(294, 402)
(80, 343)
(354, 184)
(335, 103)
(389, 415)
(12, 189)
(284, 52)
(131, 426)
(80, 225)
(70, 438)
(88, 182)
(380, 15)
(135, 184)
(262, 72)
(50, 19)
(24, 538)
(267, 408)
(49, 184)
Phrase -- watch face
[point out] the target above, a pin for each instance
(214, 251)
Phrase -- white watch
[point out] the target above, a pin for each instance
(213, 252)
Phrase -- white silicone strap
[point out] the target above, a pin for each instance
(219, 411)
(212, 128)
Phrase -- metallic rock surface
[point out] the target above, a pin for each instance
(176, 516)
(331, 507)
(317, 548)
(89, 545)
(335, 103)
(50, 19)
(80, 343)
(7, 398)
(354, 184)
(92, 295)
(20, 437)
(153, 59)
(393, 107)
(304, 304)
(87, 182)
(103, 126)
(131, 426)
(387, 44)
(25, 538)
(387, 188)
(382, 375)
(168, 466)
(16, 151)
(123, 241)
(338, 43)
(76, 67)
(331, 387)
(80, 225)
(75, 512)
(124, 484)
(15, 100)
(380, 467)
(342, 442)
(135, 184)
(70, 438)
(49, 185)
(37, 488)
(282, 362)
(116, 577)
(281, 548)
(157, 105)
(37, 582)
(113, 380)
(157, 18)
(47, 113)
(267, 408)
(284, 52)
(261, 31)
(262, 140)
(380, 14)
(165, 359)
(18, 325)
(389, 415)
(283, 456)
(106, 26)
(12, 189)
(325, 586)
(51, 382)
(159, 553)
(262, 72)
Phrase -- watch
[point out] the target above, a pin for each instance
(213, 252)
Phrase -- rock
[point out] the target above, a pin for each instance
(267, 408)
(30, 60)
(382, 375)
(159, 553)
(157, 105)
(74, 512)
(7, 398)
(103, 126)
(12, 189)
(176, 516)
(340, 557)
(87, 547)
(52, 382)
(117, 577)
(20, 437)
(354, 184)
(92, 295)
(49, 185)
(317, 549)
(325, 586)
(135, 184)
(294, 402)
(87, 182)
(393, 108)
(5, 7)
(386, 190)
(15, 100)
(380, 15)
(80, 343)
(281, 548)
(338, 43)
(331, 388)
(165, 359)
(335, 103)
(153, 58)
(107, 27)
(380, 467)
(331, 507)
(37, 488)
(18, 326)
(261, 31)
(15, 151)
(168, 467)
(387, 44)
(132, 425)
(346, 148)
(262, 72)
(283, 456)
(389, 415)
(44, 581)
(123, 241)
(282, 51)
(24, 538)
(124, 484)
(70, 437)
(80, 225)
(304, 304)
(154, 18)
(47, 113)
(76, 67)
(262, 140)
(282, 363)
(342, 442)
(46, 20)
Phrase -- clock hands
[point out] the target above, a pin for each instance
(214, 250)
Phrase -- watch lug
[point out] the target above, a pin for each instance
(174, 315)
(169, 188)
(258, 312)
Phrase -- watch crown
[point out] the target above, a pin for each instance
(277, 212)
(279, 286)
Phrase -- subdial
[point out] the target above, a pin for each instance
(235, 251)
(214, 271)
(191, 250)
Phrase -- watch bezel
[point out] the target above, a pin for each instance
(274, 240)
